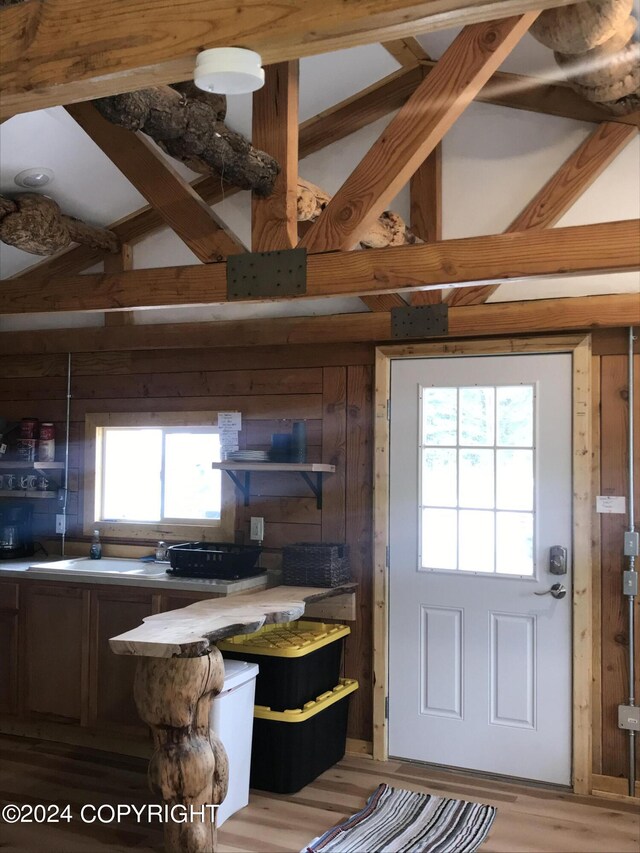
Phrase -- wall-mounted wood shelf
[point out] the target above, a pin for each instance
(26, 493)
(31, 466)
(16, 465)
(311, 472)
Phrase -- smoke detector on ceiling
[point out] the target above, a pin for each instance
(229, 71)
(35, 178)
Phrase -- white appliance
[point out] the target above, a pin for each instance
(232, 720)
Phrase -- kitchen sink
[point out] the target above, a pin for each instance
(104, 566)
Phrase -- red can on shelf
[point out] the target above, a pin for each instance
(47, 442)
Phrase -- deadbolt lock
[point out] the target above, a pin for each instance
(557, 560)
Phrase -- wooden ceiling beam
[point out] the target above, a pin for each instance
(122, 262)
(560, 193)
(425, 199)
(274, 220)
(327, 127)
(415, 131)
(496, 318)
(359, 110)
(175, 200)
(385, 302)
(61, 51)
(584, 249)
(408, 51)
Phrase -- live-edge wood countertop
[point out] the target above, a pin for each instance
(192, 630)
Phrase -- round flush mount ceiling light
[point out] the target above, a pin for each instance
(229, 71)
(34, 179)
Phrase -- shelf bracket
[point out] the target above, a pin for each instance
(245, 487)
(316, 487)
(313, 480)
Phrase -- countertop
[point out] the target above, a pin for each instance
(18, 569)
(191, 631)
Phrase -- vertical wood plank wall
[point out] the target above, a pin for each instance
(330, 387)
(610, 756)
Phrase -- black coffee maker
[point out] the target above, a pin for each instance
(16, 530)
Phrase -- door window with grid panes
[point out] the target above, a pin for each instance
(477, 487)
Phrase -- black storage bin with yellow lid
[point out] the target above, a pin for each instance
(298, 660)
(292, 748)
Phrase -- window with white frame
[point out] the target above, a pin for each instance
(150, 476)
(477, 479)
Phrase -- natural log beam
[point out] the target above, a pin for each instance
(187, 124)
(582, 26)
(415, 131)
(560, 192)
(594, 44)
(274, 220)
(61, 51)
(609, 246)
(389, 229)
(34, 223)
(494, 318)
(179, 205)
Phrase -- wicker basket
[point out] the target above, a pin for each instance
(313, 564)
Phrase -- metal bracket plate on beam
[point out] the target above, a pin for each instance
(420, 321)
(255, 274)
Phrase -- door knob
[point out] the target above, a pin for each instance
(558, 590)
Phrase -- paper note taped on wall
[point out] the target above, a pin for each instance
(611, 503)
(230, 420)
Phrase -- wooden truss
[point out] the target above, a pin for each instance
(431, 96)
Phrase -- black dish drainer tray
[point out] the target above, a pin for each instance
(213, 560)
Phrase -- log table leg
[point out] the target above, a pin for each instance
(189, 766)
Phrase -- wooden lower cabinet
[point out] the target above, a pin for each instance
(53, 650)
(9, 598)
(114, 611)
(56, 666)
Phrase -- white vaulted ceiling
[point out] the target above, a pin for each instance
(494, 161)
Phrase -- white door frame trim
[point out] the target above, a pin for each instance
(580, 348)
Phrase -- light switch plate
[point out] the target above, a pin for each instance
(257, 528)
(60, 523)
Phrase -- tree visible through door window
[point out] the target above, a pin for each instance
(477, 479)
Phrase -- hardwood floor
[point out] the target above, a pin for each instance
(532, 819)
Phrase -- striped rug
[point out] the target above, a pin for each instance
(399, 821)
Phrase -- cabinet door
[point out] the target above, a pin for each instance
(8, 647)
(54, 649)
(114, 611)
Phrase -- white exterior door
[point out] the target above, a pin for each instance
(480, 490)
